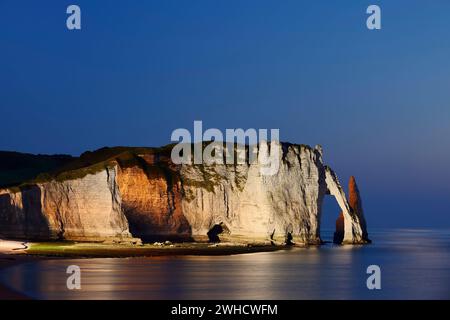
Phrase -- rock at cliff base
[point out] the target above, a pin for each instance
(355, 203)
(339, 233)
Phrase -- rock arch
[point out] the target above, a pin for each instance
(350, 226)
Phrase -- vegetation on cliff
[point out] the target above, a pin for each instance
(30, 169)
(98, 250)
(19, 171)
(16, 167)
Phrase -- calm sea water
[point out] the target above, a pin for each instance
(415, 264)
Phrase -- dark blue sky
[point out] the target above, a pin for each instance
(378, 101)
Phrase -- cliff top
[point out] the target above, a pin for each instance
(16, 167)
(22, 169)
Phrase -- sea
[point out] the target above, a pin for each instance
(399, 264)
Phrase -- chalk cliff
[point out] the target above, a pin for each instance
(355, 204)
(84, 209)
(120, 194)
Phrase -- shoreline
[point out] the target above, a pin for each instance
(13, 253)
(96, 250)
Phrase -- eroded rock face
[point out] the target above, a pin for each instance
(86, 209)
(257, 207)
(356, 205)
(339, 233)
(357, 215)
(156, 200)
(151, 201)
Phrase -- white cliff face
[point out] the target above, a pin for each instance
(154, 198)
(253, 207)
(353, 231)
(87, 209)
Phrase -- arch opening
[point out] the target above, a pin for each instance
(330, 215)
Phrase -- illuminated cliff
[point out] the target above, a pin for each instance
(120, 194)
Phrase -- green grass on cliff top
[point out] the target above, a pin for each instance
(98, 250)
(16, 167)
(92, 162)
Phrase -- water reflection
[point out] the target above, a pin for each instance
(415, 265)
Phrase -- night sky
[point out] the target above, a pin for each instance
(377, 101)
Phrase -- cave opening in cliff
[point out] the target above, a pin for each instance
(215, 231)
(330, 213)
(289, 239)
